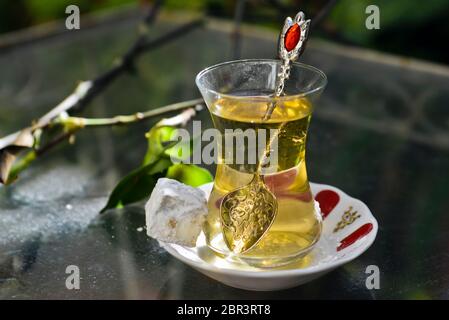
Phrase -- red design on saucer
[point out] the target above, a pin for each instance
(356, 235)
(327, 199)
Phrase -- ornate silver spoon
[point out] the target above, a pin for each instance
(248, 212)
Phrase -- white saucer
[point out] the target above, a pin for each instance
(332, 250)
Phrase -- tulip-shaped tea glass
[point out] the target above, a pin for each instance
(238, 95)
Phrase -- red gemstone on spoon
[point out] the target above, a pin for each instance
(292, 37)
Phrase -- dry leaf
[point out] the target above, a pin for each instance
(10, 147)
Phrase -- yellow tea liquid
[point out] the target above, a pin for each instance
(296, 226)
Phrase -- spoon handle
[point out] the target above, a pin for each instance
(283, 74)
(292, 39)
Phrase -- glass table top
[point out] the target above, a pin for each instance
(380, 132)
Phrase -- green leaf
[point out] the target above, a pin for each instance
(157, 138)
(138, 184)
(189, 174)
(181, 150)
(164, 140)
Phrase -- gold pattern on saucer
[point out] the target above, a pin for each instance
(347, 218)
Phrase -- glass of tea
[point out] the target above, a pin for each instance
(238, 95)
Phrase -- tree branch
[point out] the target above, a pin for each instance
(236, 34)
(87, 90)
(132, 118)
(77, 123)
(29, 137)
(323, 13)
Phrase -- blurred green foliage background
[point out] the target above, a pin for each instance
(408, 27)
